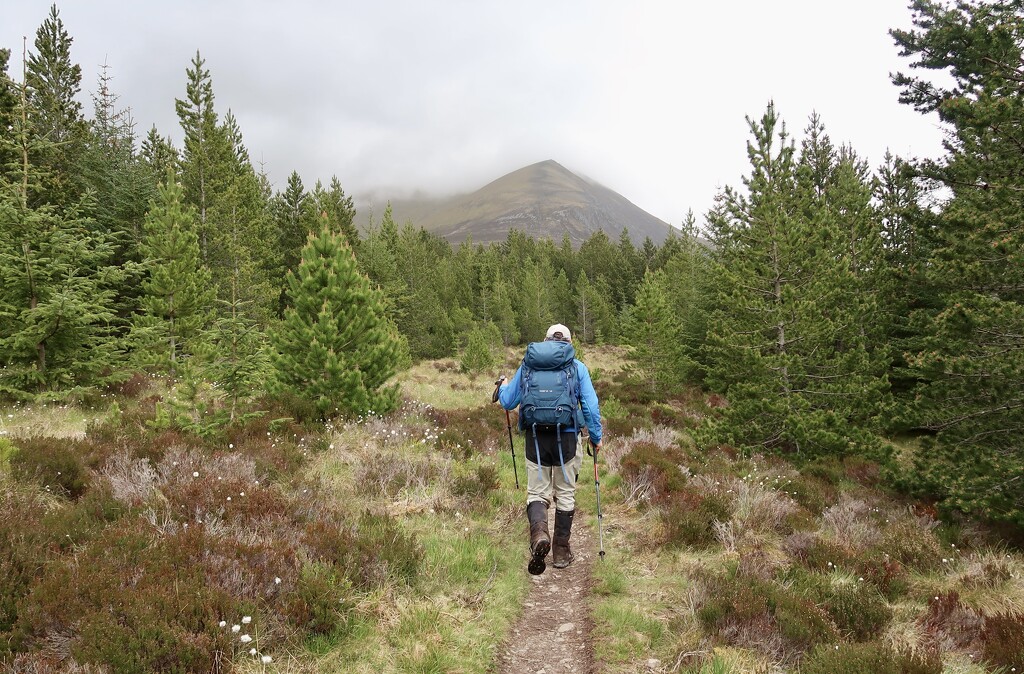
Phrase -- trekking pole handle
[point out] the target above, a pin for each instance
(497, 387)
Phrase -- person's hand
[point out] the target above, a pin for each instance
(594, 448)
(497, 388)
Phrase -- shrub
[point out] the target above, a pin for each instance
(858, 610)
(662, 465)
(886, 574)
(322, 602)
(370, 552)
(913, 545)
(869, 658)
(734, 604)
(52, 463)
(133, 602)
(1002, 640)
(481, 482)
(689, 518)
(949, 621)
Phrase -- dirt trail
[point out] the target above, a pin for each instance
(553, 634)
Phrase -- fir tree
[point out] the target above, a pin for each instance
(595, 315)
(654, 332)
(177, 295)
(689, 292)
(334, 346)
(56, 302)
(8, 105)
(158, 155)
(53, 83)
(237, 356)
(204, 158)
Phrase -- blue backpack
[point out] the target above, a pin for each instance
(551, 386)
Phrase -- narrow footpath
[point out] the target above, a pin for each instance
(552, 635)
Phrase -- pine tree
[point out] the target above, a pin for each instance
(785, 343)
(970, 360)
(334, 347)
(177, 295)
(339, 211)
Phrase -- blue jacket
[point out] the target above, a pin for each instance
(510, 395)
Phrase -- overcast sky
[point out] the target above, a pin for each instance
(648, 98)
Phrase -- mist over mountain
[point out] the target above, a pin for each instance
(543, 200)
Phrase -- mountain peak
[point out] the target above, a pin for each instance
(543, 200)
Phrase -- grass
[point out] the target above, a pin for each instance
(50, 420)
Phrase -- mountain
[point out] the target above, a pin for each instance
(544, 200)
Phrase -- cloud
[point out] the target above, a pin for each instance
(647, 98)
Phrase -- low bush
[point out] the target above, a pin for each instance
(811, 492)
(948, 621)
(322, 602)
(465, 432)
(886, 574)
(913, 545)
(54, 464)
(816, 552)
(661, 466)
(858, 610)
(760, 609)
(370, 551)
(869, 658)
(1002, 641)
(477, 485)
(689, 517)
(131, 601)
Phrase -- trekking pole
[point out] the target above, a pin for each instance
(508, 423)
(600, 518)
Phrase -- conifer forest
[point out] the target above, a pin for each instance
(825, 311)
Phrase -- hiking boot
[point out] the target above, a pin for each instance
(540, 543)
(562, 555)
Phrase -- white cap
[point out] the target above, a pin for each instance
(559, 331)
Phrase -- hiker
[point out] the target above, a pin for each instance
(556, 399)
